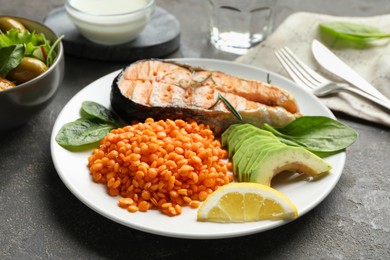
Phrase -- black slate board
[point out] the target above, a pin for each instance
(160, 37)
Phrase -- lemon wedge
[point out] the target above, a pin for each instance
(244, 202)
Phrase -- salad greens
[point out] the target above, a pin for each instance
(353, 31)
(10, 58)
(91, 110)
(14, 45)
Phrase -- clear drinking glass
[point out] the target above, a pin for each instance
(237, 25)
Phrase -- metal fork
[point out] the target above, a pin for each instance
(314, 82)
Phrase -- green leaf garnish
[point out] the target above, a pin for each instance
(95, 123)
(319, 134)
(92, 110)
(82, 132)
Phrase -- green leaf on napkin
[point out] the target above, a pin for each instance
(353, 31)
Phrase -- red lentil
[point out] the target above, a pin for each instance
(164, 165)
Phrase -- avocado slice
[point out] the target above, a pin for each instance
(288, 158)
(258, 154)
(244, 152)
(241, 133)
(237, 138)
(227, 132)
(261, 144)
(262, 132)
(242, 144)
(235, 146)
(259, 140)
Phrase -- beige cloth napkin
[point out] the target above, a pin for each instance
(373, 64)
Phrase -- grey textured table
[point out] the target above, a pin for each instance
(41, 219)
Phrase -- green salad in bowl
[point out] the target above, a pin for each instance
(24, 54)
(31, 69)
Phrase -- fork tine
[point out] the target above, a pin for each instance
(299, 71)
(306, 68)
(291, 70)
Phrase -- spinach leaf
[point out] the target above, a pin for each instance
(353, 31)
(318, 134)
(82, 132)
(92, 110)
(95, 123)
(10, 58)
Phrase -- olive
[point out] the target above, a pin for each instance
(6, 84)
(7, 23)
(28, 69)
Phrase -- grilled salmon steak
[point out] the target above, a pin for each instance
(162, 89)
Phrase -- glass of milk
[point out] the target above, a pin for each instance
(110, 22)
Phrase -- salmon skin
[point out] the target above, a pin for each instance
(163, 89)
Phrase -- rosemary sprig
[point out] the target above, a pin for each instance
(268, 79)
(228, 105)
(199, 83)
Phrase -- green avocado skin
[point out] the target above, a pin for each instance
(258, 155)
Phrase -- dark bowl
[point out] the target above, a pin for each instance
(20, 104)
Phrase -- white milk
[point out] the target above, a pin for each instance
(108, 7)
(109, 22)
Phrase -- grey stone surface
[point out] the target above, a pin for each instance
(41, 219)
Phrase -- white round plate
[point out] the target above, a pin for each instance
(72, 166)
